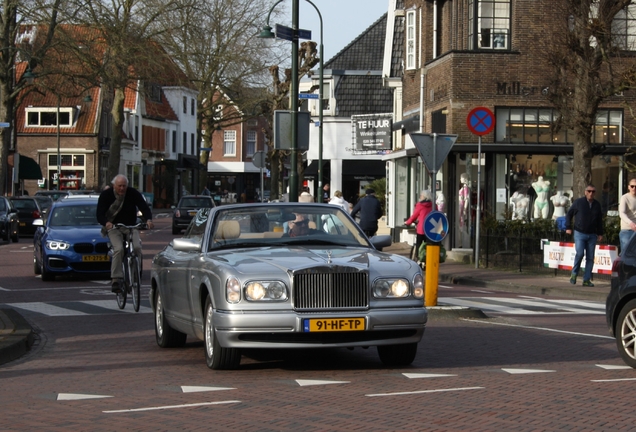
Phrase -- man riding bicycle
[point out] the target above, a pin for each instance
(119, 204)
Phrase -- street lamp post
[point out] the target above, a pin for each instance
(59, 158)
(267, 33)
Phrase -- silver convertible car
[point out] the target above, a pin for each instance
(285, 275)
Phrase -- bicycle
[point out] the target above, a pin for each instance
(131, 266)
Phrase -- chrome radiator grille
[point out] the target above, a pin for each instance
(319, 291)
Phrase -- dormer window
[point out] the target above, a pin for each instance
(47, 117)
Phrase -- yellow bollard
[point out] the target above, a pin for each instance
(432, 275)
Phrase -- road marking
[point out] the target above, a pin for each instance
(613, 367)
(525, 371)
(425, 391)
(4, 289)
(46, 309)
(482, 292)
(75, 396)
(77, 308)
(195, 389)
(424, 375)
(527, 305)
(445, 287)
(304, 383)
(614, 380)
(171, 407)
(537, 328)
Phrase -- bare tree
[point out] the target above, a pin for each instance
(587, 69)
(12, 51)
(216, 43)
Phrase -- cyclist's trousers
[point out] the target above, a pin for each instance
(116, 237)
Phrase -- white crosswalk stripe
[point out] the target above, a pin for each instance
(78, 308)
(527, 305)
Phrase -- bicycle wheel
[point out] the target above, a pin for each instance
(135, 282)
(121, 296)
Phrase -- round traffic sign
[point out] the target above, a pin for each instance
(436, 226)
(480, 121)
(258, 159)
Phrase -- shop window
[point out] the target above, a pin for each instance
(229, 143)
(535, 126)
(489, 24)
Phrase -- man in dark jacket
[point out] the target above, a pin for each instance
(370, 211)
(119, 204)
(588, 229)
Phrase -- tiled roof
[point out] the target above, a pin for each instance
(160, 110)
(362, 95)
(364, 52)
(397, 55)
(358, 92)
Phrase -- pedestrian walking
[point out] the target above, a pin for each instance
(370, 211)
(627, 212)
(588, 229)
(339, 201)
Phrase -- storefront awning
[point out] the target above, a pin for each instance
(364, 168)
(312, 168)
(29, 169)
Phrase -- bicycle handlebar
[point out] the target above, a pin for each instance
(137, 226)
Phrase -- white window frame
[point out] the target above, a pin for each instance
(489, 27)
(229, 143)
(411, 40)
(252, 141)
(624, 29)
(53, 110)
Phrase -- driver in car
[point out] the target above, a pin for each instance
(300, 226)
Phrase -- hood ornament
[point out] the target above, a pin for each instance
(328, 257)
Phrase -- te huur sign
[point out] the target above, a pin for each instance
(372, 131)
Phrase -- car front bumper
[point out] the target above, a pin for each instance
(285, 329)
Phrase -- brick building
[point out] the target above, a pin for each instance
(463, 54)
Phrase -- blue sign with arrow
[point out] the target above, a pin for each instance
(436, 226)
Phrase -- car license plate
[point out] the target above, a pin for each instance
(192, 212)
(22, 223)
(333, 324)
(95, 258)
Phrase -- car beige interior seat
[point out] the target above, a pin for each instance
(227, 230)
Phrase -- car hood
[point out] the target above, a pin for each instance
(76, 234)
(293, 258)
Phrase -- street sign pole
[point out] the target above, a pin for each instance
(478, 227)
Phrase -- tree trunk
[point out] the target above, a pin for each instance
(117, 111)
(7, 105)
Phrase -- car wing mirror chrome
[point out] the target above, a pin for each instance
(381, 241)
(186, 245)
(38, 222)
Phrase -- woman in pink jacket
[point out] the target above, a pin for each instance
(422, 209)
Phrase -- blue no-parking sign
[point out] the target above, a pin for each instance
(436, 226)
(480, 121)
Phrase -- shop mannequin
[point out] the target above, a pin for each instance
(440, 202)
(464, 200)
(541, 207)
(519, 206)
(561, 204)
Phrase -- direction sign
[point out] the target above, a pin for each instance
(433, 148)
(480, 121)
(435, 226)
(308, 95)
(287, 33)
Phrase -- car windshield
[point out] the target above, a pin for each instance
(2, 205)
(196, 203)
(76, 215)
(284, 225)
(24, 204)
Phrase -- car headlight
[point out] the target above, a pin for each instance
(232, 290)
(391, 288)
(266, 291)
(418, 286)
(57, 245)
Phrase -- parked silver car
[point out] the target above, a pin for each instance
(285, 275)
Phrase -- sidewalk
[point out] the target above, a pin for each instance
(16, 335)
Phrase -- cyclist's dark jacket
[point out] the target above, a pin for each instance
(128, 214)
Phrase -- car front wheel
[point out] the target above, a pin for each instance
(166, 336)
(626, 333)
(36, 266)
(216, 356)
(397, 355)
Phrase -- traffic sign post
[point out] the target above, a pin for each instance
(435, 229)
(258, 159)
(480, 121)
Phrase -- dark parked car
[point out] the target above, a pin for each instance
(188, 206)
(70, 242)
(9, 220)
(238, 280)
(620, 308)
(30, 209)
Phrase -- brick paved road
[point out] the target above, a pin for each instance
(466, 377)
